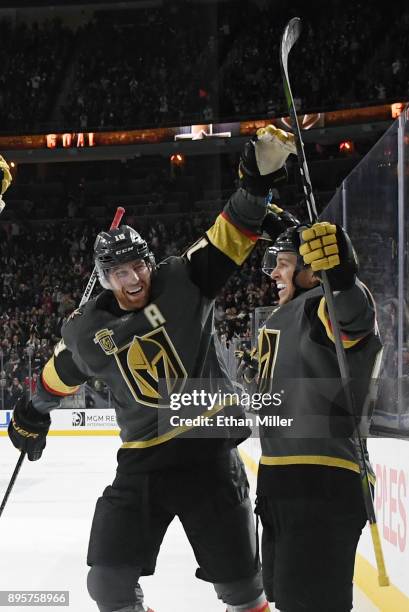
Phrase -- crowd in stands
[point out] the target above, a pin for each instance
(186, 62)
(33, 59)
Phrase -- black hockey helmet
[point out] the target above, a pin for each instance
(118, 246)
(288, 242)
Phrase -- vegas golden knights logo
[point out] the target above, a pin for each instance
(105, 340)
(268, 341)
(151, 367)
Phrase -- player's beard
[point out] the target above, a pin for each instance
(129, 301)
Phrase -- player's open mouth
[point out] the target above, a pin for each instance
(281, 287)
(134, 291)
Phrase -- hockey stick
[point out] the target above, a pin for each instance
(289, 38)
(86, 295)
(12, 480)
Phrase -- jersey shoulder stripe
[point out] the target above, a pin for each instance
(52, 381)
(229, 239)
(323, 316)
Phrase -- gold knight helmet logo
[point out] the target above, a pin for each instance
(105, 340)
(149, 364)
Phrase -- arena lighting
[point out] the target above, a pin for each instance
(177, 159)
(12, 165)
(83, 140)
(396, 109)
(346, 146)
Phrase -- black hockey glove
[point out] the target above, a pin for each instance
(28, 429)
(262, 162)
(328, 247)
(276, 222)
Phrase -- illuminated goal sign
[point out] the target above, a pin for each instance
(68, 140)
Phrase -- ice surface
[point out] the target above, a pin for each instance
(45, 526)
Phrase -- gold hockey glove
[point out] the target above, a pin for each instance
(5, 179)
(5, 175)
(319, 247)
(326, 246)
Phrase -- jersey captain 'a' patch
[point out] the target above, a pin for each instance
(151, 367)
(268, 341)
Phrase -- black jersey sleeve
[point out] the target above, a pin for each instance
(355, 310)
(227, 244)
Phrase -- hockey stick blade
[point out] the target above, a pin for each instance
(288, 40)
(290, 36)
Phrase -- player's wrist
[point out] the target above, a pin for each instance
(257, 184)
(27, 418)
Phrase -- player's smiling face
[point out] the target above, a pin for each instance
(283, 275)
(131, 284)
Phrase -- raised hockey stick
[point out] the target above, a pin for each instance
(289, 38)
(85, 297)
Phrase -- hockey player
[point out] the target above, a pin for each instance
(309, 492)
(151, 322)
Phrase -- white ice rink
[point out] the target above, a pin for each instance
(45, 526)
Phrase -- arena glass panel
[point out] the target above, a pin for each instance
(404, 219)
(333, 212)
(368, 205)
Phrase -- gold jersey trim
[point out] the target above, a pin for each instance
(173, 433)
(314, 460)
(53, 383)
(230, 240)
(326, 322)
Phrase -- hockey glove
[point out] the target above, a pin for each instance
(276, 222)
(326, 246)
(5, 179)
(28, 429)
(262, 162)
(5, 175)
(247, 366)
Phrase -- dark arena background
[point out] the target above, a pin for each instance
(147, 105)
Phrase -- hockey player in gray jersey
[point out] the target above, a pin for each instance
(153, 322)
(309, 491)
